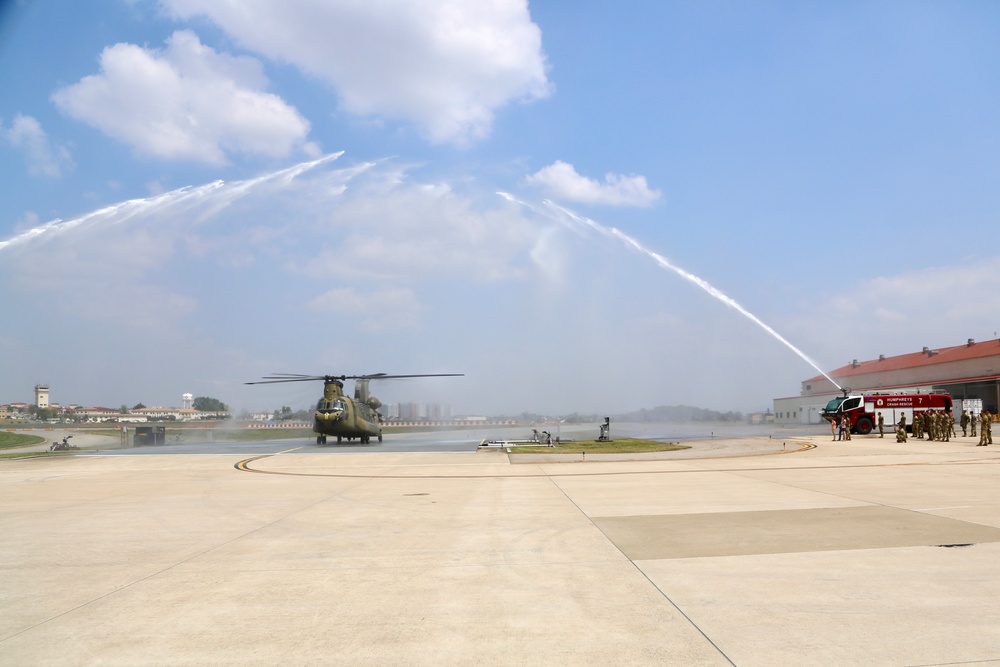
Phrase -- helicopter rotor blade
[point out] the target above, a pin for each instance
(386, 376)
(275, 378)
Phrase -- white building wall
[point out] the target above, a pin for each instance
(41, 396)
(802, 410)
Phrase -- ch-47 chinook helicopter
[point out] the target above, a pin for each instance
(343, 416)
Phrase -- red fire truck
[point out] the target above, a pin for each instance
(862, 409)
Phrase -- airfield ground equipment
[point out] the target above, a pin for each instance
(62, 446)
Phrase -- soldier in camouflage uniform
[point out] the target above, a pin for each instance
(964, 421)
(918, 425)
(881, 425)
(989, 427)
(947, 426)
(901, 429)
(951, 424)
(972, 423)
(983, 421)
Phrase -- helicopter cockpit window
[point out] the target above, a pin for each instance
(326, 406)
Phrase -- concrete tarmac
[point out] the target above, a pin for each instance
(865, 552)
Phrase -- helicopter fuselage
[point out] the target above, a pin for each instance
(341, 416)
(345, 417)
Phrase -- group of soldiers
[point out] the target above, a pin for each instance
(985, 420)
(938, 425)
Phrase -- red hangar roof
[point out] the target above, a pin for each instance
(924, 358)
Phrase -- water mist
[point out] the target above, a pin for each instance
(665, 264)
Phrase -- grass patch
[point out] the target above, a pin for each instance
(11, 440)
(32, 455)
(621, 446)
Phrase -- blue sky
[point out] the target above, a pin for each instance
(196, 196)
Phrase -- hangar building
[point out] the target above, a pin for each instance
(970, 371)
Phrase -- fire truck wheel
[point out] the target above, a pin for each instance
(864, 426)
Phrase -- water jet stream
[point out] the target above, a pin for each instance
(686, 275)
(224, 194)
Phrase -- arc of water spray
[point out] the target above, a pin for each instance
(128, 209)
(686, 275)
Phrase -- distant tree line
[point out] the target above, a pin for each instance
(208, 404)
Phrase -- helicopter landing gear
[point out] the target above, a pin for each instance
(339, 439)
(380, 436)
(320, 439)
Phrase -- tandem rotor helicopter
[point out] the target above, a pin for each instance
(340, 415)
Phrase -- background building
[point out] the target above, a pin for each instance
(970, 371)
(417, 412)
(41, 395)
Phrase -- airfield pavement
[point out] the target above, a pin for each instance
(865, 552)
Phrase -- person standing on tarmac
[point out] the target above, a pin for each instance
(901, 428)
(881, 425)
(972, 423)
(964, 422)
(840, 427)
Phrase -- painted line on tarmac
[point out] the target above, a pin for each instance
(937, 509)
(244, 466)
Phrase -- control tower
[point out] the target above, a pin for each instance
(41, 395)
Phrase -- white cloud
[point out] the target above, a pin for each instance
(29, 220)
(373, 311)
(445, 66)
(898, 314)
(560, 180)
(44, 159)
(389, 229)
(185, 102)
